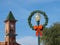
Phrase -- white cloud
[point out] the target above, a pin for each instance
(28, 40)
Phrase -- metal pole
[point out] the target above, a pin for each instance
(38, 34)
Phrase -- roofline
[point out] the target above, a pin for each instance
(11, 20)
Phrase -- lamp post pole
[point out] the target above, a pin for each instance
(37, 18)
(38, 34)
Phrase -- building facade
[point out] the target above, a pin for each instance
(10, 32)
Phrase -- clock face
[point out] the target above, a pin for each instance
(12, 25)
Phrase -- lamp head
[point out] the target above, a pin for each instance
(37, 17)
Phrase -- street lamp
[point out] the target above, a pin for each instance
(39, 27)
(37, 18)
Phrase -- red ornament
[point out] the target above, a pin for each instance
(40, 33)
(38, 29)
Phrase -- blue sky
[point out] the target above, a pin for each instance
(21, 10)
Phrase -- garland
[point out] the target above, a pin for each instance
(41, 12)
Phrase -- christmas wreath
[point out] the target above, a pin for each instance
(37, 11)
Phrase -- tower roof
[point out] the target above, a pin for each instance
(10, 17)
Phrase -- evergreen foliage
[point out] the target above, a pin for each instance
(51, 35)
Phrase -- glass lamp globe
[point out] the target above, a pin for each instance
(37, 17)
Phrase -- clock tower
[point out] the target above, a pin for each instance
(10, 23)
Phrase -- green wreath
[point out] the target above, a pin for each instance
(41, 12)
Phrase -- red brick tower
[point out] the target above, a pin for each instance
(10, 31)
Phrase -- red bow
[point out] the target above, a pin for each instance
(38, 29)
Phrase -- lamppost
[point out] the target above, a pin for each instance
(39, 27)
(37, 18)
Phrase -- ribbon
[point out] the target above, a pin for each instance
(38, 29)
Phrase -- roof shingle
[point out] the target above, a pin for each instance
(10, 17)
